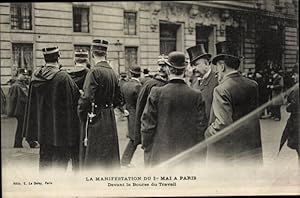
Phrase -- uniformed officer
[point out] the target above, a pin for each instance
(51, 117)
(78, 73)
(99, 141)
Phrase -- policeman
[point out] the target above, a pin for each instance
(99, 141)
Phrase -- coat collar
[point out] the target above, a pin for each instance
(103, 64)
(135, 80)
(232, 74)
(177, 80)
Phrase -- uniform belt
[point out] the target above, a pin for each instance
(105, 106)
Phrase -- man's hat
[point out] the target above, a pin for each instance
(196, 52)
(226, 48)
(146, 71)
(176, 60)
(162, 59)
(21, 71)
(135, 70)
(50, 50)
(99, 45)
(123, 74)
(81, 54)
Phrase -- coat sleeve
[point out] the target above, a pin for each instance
(149, 120)
(222, 110)
(201, 119)
(89, 89)
(12, 105)
(140, 105)
(279, 84)
(119, 97)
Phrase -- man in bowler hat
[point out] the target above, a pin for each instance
(51, 117)
(234, 97)
(206, 79)
(131, 91)
(174, 117)
(99, 145)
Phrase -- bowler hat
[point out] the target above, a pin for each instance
(176, 60)
(50, 50)
(226, 49)
(146, 71)
(99, 45)
(196, 52)
(135, 70)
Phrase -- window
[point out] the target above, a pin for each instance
(22, 56)
(131, 57)
(168, 35)
(81, 19)
(235, 35)
(21, 17)
(129, 23)
(84, 48)
(205, 36)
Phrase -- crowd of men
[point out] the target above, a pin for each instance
(70, 114)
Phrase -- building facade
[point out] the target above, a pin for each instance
(138, 32)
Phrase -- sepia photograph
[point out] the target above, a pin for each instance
(149, 98)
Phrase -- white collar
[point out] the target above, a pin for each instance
(133, 78)
(207, 74)
(232, 72)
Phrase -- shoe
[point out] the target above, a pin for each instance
(18, 146)
(277, 119)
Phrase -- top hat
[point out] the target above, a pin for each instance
(50, 50)
(162, 60)
(135, 70)
(226, 48)
(196, 52)
(176, 60)
(99, 44)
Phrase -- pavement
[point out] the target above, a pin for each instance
(271, 133)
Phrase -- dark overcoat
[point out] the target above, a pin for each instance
(206, 88)
(277, 83)
(17, 99)
(156, 81)
(78, 75)
(100, 87)
(173, 120)
(291, 133)
(233, 98)
(145, 79)
(131, 91)
(51, 117)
